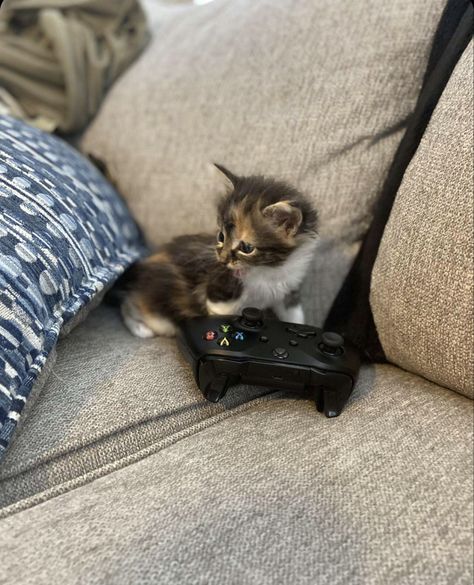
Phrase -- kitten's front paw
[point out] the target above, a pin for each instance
(293, 314)
(221, 307)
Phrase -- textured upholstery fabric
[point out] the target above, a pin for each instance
(64, 236)
(109, 396)
(277, 494)
(422, 291)
(351, 313)
(307, 91)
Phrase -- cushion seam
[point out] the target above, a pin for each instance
(65, 452)
(108, 469)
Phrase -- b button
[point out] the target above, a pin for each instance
(210, 335)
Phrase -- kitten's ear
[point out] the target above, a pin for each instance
(284, 216)
(229, 177)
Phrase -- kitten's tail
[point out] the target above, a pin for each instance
(116, 295)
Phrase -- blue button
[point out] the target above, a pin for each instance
(239, 336)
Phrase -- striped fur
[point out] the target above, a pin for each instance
(265, 242)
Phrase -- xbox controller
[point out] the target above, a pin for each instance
(229, 350)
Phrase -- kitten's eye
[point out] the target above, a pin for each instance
(220, 237)
(246, 248)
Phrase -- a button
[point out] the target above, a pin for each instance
(263, 338)
(225, 328)
(210, 335)
(293, 342)
(223, 342)
(239, 335)
(280, 352)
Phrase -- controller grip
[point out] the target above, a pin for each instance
(213, 382)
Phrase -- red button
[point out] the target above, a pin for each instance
(210, 335)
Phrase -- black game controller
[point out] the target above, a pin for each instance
(229, 350)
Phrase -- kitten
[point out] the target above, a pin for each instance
(265, 242)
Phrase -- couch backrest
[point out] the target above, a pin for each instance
(314, 92)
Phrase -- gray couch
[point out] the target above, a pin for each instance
(123, 473)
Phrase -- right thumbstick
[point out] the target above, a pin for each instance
(332, 343)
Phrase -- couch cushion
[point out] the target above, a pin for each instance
(110, 395)
(64, 237)
(351, 313)
(426, 257)
(276, 494)
(315, 93)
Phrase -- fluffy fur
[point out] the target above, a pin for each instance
(265, 242)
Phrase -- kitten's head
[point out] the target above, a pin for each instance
(261, 222)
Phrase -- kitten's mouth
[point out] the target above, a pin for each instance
(237, 272)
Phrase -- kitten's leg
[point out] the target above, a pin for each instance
(294, 314)
(223, 292)
(290, 308)
(160, 325)
(145, 325)
(133, 321)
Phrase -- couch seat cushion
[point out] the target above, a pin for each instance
(275, 494)
(109, 396)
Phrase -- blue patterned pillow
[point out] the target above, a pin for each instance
(64, 236)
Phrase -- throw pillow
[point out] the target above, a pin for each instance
(65, 236)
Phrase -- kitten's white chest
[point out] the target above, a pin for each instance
(265, 286)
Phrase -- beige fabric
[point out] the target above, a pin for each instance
(58, 57)
(306, 91)
(422, 292)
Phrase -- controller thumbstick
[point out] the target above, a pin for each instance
(332, 343)
(252, 317)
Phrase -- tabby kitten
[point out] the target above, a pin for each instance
(265, 242)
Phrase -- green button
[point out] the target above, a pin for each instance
(226, 328)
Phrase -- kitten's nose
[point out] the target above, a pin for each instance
(228, 257)
(225, 259)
